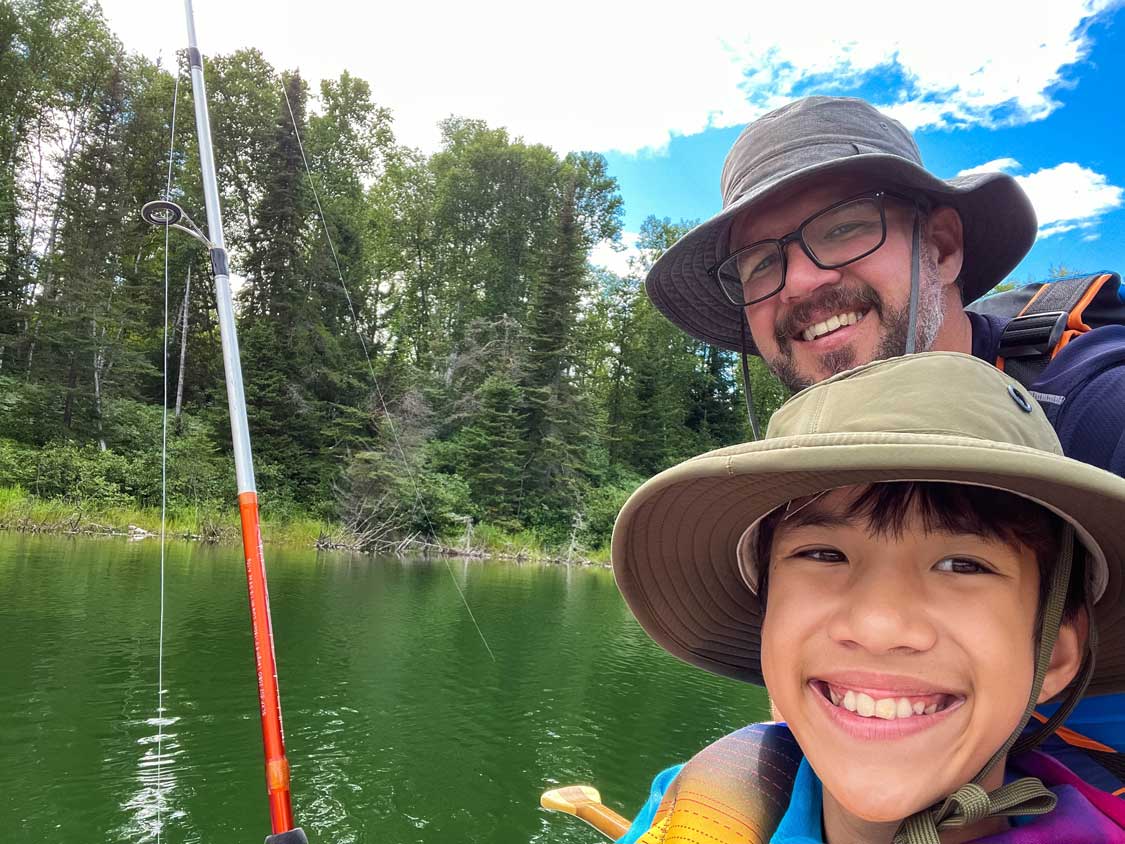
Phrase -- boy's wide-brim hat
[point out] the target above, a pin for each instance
(802, 143)
(938, 416)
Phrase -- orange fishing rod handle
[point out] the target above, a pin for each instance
(269, 698)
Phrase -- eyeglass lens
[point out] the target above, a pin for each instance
(834, 237)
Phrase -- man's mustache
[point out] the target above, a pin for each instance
(834, 298)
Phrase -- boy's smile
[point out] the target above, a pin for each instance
(901, 661)
(879, 706)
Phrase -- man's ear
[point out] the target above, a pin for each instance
(946, 242)
(1066, 658)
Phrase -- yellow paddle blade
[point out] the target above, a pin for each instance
(585, 803)
(569, 798)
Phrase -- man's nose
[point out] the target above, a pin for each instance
(880, 612)
(802, 275)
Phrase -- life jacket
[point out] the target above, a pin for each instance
(736, 791)
(1048, 315)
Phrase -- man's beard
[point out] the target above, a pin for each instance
(895, 322)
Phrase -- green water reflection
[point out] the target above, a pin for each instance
(399, 726)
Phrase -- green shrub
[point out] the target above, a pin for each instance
(80, 475)
(600, 510)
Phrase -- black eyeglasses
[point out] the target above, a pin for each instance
(832, 238)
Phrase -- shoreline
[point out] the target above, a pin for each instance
(27, 514)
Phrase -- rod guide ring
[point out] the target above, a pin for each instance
(161, 212)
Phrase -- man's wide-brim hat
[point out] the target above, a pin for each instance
(675, 544)
(808, 140)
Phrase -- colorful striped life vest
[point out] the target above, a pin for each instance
(736, 790)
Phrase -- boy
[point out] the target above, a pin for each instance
(909, 566)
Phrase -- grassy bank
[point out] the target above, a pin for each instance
(521, 546)
(21, 511)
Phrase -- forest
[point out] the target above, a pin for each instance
(465, 370)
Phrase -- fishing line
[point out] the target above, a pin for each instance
(371, 368)
(164, 491)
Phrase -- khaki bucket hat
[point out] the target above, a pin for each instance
(795, 146)
(675, 543)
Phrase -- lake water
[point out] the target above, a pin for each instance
(399, 725)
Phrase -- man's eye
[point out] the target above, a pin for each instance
(763, 266)
(848, 229)
(962, 565)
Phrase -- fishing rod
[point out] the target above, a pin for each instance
(166, 213)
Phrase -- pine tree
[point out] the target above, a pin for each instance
(491, 450)
(559, 431)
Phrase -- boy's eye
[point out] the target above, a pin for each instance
(824, 555)
(962, 565)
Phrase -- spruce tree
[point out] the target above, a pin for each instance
(491, 450)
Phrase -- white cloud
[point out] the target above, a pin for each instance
(1058, 228)
(1069, 196)
(597, 75)
(997, 165)
(616, 260)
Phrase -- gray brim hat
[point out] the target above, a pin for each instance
(810, 139)
(675, 548)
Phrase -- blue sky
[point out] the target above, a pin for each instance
(1087, 128)
(1034, 86)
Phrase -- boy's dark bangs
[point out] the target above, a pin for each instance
(959, 508)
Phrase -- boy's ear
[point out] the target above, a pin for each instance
(1066, 658)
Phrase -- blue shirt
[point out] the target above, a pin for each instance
(801, 822)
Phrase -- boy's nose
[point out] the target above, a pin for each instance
(879, 613)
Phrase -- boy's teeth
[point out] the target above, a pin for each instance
(888, 708)
(885, 708)
(830, 324)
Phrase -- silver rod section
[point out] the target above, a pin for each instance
(236, 396)
(203, 128)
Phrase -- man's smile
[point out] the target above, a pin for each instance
(831, 324)
(835, 309)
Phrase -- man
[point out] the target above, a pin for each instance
(836, 247)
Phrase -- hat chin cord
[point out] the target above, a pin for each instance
(747, 389)
(970, 803)
(915, 286)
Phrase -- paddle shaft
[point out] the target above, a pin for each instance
(603, 819)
